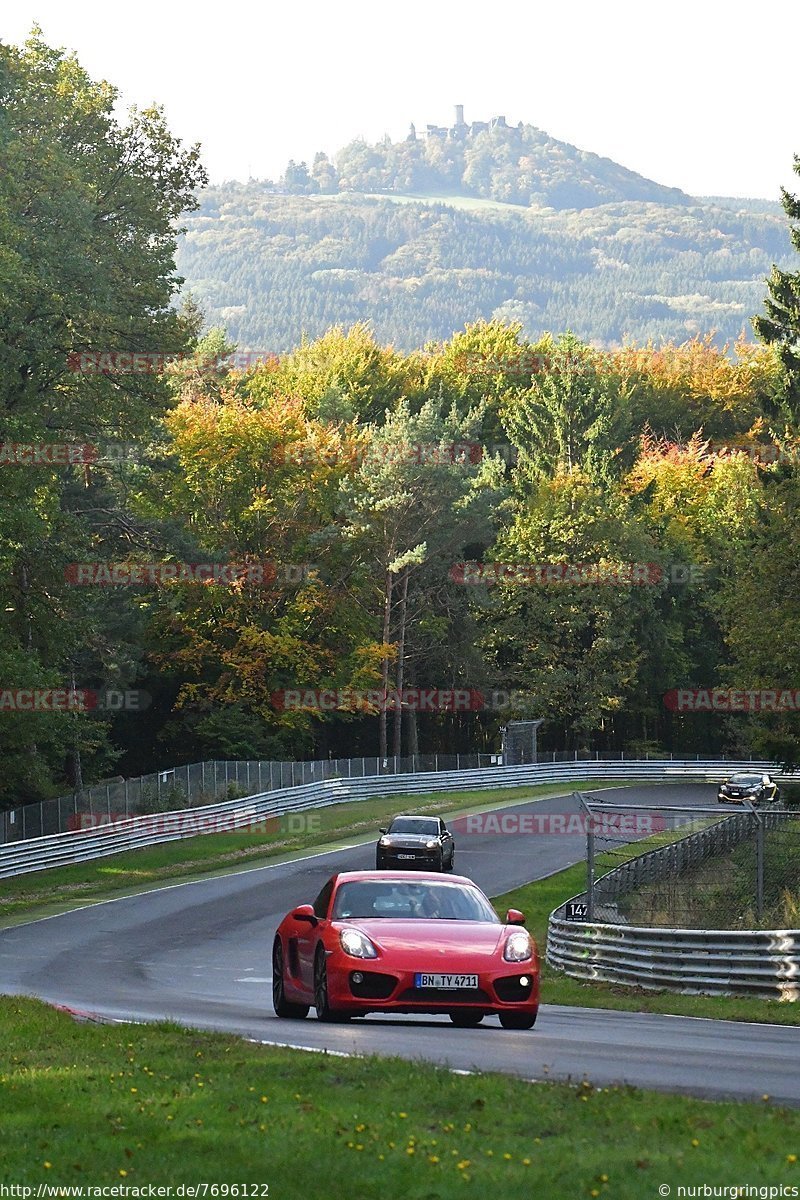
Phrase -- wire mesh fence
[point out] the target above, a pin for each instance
(198, 784)
(705, 870)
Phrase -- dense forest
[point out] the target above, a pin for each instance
(596, 531)
(273, 267)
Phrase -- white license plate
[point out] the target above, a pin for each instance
(406, 856)
(445, 981)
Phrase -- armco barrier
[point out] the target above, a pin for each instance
(19, 858)
(716, 961)
(197, 784)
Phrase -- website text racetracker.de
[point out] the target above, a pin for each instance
(608, 824)
(142, 1191)
(375, 699)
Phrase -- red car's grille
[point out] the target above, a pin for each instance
(445, 995)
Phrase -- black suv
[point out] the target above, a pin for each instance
(421, 843)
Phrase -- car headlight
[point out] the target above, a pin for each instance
(357, 944)
(384, 842)
(431, 845)
(518, 947)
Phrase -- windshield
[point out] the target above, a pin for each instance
(418, 901)
(745, 780)
(423, 826)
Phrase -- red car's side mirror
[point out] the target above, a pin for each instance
(305, 912)
(515, 917)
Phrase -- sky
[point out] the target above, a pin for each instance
(696, 94)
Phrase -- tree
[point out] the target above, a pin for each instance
(571, 418)
(417, 499)
(572, 651)
(761, 619)
(296, 179)
(323, 173)
(88, 212)
(781, 325)
(256, 483)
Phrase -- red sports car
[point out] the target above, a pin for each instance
(405, 942)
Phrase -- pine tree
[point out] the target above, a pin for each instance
(781, 326)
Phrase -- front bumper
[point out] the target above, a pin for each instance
(399, 859)
(374, 986)
(724, 798)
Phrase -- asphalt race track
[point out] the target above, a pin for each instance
(199, 953)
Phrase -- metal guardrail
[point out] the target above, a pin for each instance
(131, 833)
(204, 783)
(717, 961)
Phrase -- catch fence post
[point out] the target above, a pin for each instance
(759, 868)
(589, 855)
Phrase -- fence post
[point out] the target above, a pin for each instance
(589, 858)
(759, 868)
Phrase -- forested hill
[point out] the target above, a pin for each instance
(270, 266)
(514, 164)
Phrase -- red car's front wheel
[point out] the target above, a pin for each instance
(517, 1020)
(466, 1018)
(321, 997)
(283, 1007)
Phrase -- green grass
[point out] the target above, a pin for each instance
(720, 892)
(138, 1105)
(58, 888)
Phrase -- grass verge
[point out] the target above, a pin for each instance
(57, 888)
(720, 892)
(87, 1105)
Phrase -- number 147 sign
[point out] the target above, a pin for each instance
(577, 910)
